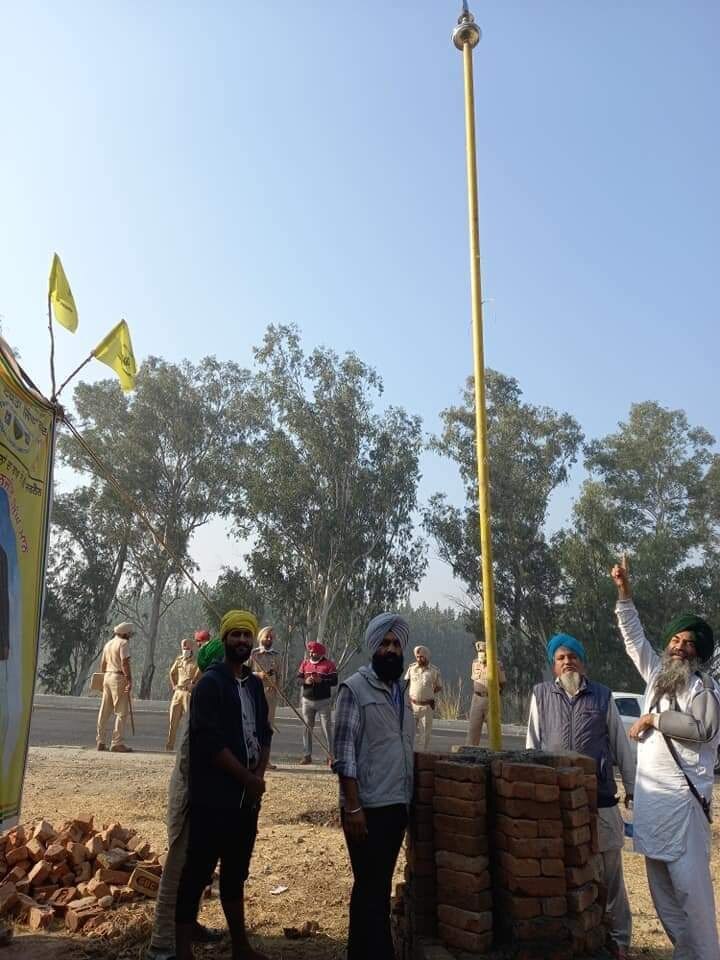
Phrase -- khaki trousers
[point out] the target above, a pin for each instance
(179, 706)
(271, 695)
(178, 826)
(114, 700)
(423, 727)
(478, 715)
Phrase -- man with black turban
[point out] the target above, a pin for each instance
(678, 736)
(373, 750)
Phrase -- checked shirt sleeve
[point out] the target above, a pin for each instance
(347, 734)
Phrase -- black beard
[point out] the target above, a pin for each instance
(388, 667)
(238, 654)
(674, 675)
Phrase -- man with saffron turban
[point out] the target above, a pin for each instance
(573, 712)
(678, 736)
(424, 683)
(229, 751)
(373, 750)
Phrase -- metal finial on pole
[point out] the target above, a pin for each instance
(467, 32)
(466, 37)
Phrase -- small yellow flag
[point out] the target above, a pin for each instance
(61, 296)
(116, 351)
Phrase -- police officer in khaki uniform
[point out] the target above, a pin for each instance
(183, 674)
(117, 687)
(479, 705)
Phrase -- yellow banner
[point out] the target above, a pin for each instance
(27, 436)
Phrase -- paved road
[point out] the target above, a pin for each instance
(73, 726)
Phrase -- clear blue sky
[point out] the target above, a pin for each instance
(205, 169)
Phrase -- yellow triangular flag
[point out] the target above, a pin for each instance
(116, 351)
(61, 296)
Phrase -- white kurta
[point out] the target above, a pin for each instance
(663, 802)
(669, 825)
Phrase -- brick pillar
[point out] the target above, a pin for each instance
(586, 896)
(530, 875)
(464, 896)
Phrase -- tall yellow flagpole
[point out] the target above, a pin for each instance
(466, 37)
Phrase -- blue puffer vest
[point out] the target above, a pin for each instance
(579, 723)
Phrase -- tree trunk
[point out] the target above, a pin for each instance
(152, 632)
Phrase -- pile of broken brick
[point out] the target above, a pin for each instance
(74, 874)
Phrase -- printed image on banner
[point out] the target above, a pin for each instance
(26, 457)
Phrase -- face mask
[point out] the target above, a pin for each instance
(187, 653)
(238, 654)
(388, 666)
(315, 658)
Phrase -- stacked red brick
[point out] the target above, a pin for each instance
(464, 897)
(74, 873)
(578, 807)
(530, 875)
(414, 903)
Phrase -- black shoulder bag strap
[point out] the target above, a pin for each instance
(673, 753)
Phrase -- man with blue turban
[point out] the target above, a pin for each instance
(229, 752)
(678, 736)
(573, 712)
(373, 750)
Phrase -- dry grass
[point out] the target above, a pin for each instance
(299, 846)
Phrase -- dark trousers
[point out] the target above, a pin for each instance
(224, 835)
(373, 862)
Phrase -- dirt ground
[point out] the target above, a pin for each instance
(299, 846)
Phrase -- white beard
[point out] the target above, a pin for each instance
(570, 682)
(674, 675)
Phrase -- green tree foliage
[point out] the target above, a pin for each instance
(653, 491)
(531, 450)
(331, 494)
(174, 445)
(89, 549)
